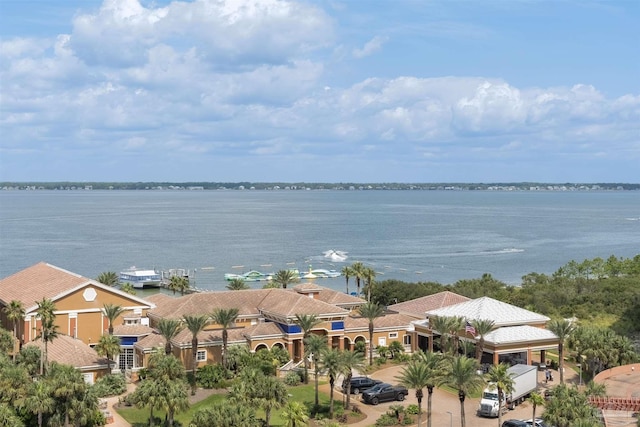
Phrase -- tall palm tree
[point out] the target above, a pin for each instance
(169, 328)
(38, 400)
(178, 283)
(271, 394)
(128, 288)
(108, 346)
(536, 399)
(331, 365)
(314, 346)
(457, 324)
(225, 317)
(294, 414)
(48, 328)
(15, 312)
(416, 375)
(112, 312)
(500, 378)
(109, 278)
(306, 323)
(237, 285)
(562, 328)
(67, 384)
(351, 360)
(284, 278)
(462, 374)
(433, 363)
(482, 328)
(195, 324)
(371, 311)
(357, 271)
(347, 273)
(443, 325)
(369, 275)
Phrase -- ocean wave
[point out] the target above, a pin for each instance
(632, 219)
(336, 256)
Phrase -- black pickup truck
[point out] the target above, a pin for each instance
(383, 393)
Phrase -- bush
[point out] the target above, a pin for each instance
(412, 409)
(110, 385)
(212, 376)
(293, 378)
(386, 420)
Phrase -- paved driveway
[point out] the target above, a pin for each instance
(446, 406)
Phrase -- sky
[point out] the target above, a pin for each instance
(320, 91)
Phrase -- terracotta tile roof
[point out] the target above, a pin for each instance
(71, 351)
(334, 297)
(132, 330)
(265, 329)
(250, 303)
(44, 280)
(153, 340)
(389, 320)
(419, 306)
(307, 287)
(159, 297)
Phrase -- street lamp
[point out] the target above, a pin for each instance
(450, 419)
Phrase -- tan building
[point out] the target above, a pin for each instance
(71, 351)
(78, 302)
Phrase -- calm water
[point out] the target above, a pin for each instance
(414, 236)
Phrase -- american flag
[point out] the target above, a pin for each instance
(469, 329)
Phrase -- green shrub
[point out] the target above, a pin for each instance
(386, 420)
(292, 378)
(110, 385)
(212, 376)
(412, 409)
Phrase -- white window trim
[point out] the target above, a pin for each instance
(201, 356)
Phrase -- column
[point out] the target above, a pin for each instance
(496, 358)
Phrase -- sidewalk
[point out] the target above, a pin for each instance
(118, 421)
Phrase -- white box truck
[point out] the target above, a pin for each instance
(525, 380)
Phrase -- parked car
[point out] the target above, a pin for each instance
(384, 393)
(360, 384)
(538, 423)
(514, 423)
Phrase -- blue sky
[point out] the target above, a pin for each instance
(320, 91)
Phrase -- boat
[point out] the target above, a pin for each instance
(250, 276)
(322, 273)
(140, 278)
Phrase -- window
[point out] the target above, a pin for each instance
(125, 359)
(393, 335)
(407, 340)
(201, 355)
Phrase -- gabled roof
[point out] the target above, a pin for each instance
(132, 330)
(419, 306)
(517, 334)
(486, 308)
(262, 330)
(70, 351)
(334, 297)
(44, 280)
(389, 320)
(250, 303)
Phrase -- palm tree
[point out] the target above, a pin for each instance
(294, 414)
(225, 317)
(48, 328)
(67, 384)
(457, 324)
(285, 277)
(500, 378)
(416, 375)
(38, 400)
(347, 273)
(15, 313)
(331, 365)
(306, 323)
(482, 327)
(371, 311)
(369, 275)
(128, 288)
(443, 325)
(351, 360)
(357, 271)
(271, 394)
(111, 312)
(462, 374)
(108, 345)
(433, 364)
(195, 324)
(169, 328)
(178, 283)
(237, 285)
(147, 394)
(562, 328)
(109, 278)
(314, 346)
(536, 399)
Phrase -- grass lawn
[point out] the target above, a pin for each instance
(302, 393)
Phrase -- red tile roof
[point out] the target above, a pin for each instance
(419, 306)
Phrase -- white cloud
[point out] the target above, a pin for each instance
(370, 47)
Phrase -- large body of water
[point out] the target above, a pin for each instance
(441, 236)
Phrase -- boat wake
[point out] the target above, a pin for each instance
(336, 256)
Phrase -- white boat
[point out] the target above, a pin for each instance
(140, 278)
(250, 276)
(322, 273)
